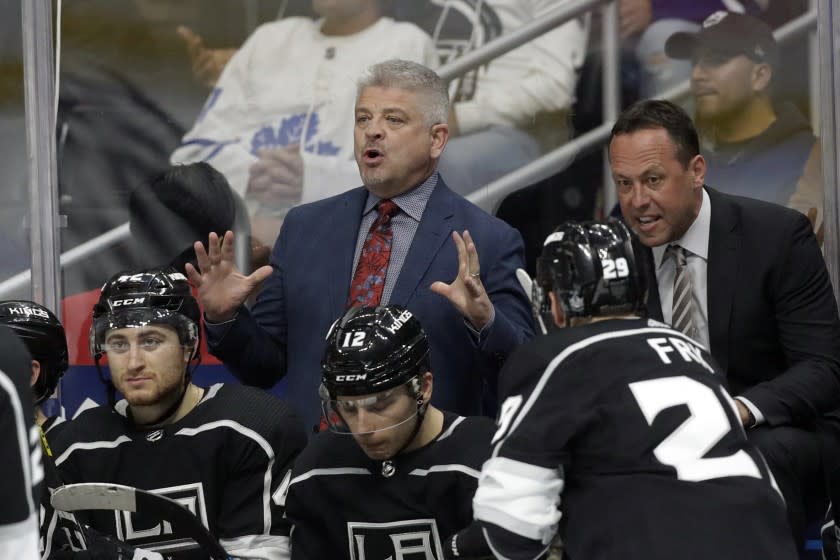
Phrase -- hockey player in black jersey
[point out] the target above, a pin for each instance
(618, 433)
(221, 451)
(21, 474)
(394, 476)
(44, 336)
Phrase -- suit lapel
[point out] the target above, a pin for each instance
(432, 232)
(339, 244)
(722, 272)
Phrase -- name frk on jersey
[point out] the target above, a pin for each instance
(673, 347)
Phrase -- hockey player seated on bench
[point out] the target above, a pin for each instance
(221, 451)
(394, 476)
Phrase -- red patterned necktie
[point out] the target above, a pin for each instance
(369, 278)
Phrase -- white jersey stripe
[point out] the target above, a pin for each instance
(264, 547)
(328, 472)
(534, 514)
(250, 434)
(90, 446)
(7, 385)
(188, 432)
(447, 468)
(20, 540)
(451, 428)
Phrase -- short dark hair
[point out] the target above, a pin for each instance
(658, 113)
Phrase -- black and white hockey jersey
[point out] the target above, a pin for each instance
(225, 461)
(20, 448)
(628, 422)
(343, 505)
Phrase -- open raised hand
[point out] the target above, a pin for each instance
(466, 292)
(221, 287)
(207, 64)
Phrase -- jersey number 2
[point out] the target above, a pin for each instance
(685, 447)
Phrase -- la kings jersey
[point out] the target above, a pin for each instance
(224, 461)
(343, 505)
(628, 422)
(20, 448)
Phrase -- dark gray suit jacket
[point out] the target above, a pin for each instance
(773, 322)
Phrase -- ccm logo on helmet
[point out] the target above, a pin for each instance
(27, 311)
(129, 301)
(356, 377)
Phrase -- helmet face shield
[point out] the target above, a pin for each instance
(358, 415)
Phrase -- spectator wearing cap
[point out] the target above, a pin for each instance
(753, 146)
(647, 24)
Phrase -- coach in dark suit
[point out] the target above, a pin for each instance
(325, 260)
(744, 277)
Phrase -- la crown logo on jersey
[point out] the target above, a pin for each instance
(25, 311)
(146, 530)
(415, 539)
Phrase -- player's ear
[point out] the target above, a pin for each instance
(190, 351)
(426, 384)
(557, 311)
(36, 372)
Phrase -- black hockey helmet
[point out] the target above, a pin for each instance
(372, 349)
(593, 269)
(136, 299)
(43, 334)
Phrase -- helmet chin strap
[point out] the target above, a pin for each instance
(169, 412)
(110, 390)
(388, 469)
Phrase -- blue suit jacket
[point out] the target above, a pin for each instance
(283, 335)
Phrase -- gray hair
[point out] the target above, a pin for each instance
(410, 76)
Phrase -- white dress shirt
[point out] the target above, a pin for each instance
(696, 242)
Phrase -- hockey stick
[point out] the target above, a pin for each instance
(94, 495)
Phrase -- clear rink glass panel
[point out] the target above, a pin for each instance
(264, 92)
(14, 197)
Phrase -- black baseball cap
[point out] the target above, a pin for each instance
(727, 33)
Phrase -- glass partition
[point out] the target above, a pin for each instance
(14, 198)
(263, 91)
